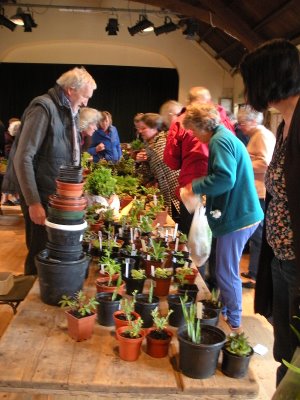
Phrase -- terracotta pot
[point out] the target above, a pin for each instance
(146, 265)
(161, 218)
(190, 278)
(161, 286)
(68, 185)
(129, 348)
(158, 348)
(55, 199)
(69, 193)
(123, 322)
(101, 286)
(80, 328)
(68, 207)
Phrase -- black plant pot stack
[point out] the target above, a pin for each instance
(62, 265)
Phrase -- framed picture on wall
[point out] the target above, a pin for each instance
(227, 103)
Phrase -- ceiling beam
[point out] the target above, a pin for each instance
(219, 16)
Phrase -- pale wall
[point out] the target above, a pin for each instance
(80, 38)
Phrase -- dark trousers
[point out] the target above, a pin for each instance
(286, 304)
(36, 238)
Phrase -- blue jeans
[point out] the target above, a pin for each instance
(228, 255)
(286, 304)
(255, 246)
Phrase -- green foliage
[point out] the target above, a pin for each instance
(125, 166)
(100, 182)
(192, 322)
(136, 144)
(128, 306)
(183, 238)
(111, 266)
(237, 343)
(157, 251)
(134, 328)
(162, 273)
(145, 224)
(160, 322)
(181, 274)
(150, 294)
(215, 295)
(151, 190)
(138, 274)
(85, 160)
(127, 185)
(115, 292)
(80, 303)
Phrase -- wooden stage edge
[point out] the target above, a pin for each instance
(38, 357)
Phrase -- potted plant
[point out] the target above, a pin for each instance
(130, 340)
(100, 182)
(155, 256)
(135, 146)
(127, 313)
(80, 315)
(108, 275)
(135, 281)
(162, 281)
(159, 337)
(174, 302)
(145, 304)
(185, 274)
(199, 345)
(108, 304)
(213, 302)
(236, 355)
(184, 286)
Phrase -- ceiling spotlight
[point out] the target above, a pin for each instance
(167, 27)
(24, 19)
(192, 29)
(6, 22)
(112, 26)
(143, 25)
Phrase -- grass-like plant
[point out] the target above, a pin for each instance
(150, 294)
(116, 290)
(192, 322)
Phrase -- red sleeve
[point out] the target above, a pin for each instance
(173, 149)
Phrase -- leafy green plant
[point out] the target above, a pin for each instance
(138, 274)
(115, 292)
(128, 306)
(85, 160)
(157, 251)
(150, 191)
(134, 328)
(192, 322)
(237, 343)
(127, 185)
(286, 363)
(80, 305)
(182, 238)
(100, 182)
(111, 266)
(160, 322)
(181, 274)
(145, 224)
(162, 273)
(136, 144)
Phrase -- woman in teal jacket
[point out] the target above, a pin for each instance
(232, 206)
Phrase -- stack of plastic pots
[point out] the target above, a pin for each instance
(62, 265)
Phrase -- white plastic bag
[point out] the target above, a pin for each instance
(199, 240)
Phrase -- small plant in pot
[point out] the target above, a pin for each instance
(108, 304)
(214, 302)
(80, 315)
(159, 337)
(127, 313)
(185, 274)
(237, 352)
(155, 256)
(135, 281)
(109, 274)
(162, 281)
(183, 284)
(130, 340)
(199, 345)
(174, 301)
(145, 304)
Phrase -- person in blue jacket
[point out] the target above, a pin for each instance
(105, 141)
(232, 205)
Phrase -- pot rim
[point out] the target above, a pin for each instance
(78, 227)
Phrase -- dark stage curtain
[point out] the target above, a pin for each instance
(123, 91)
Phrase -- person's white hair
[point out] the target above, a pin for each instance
(76, 78)
(247, 113)
(87, 117)
(14, 127)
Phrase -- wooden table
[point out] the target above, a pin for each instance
(38, 356)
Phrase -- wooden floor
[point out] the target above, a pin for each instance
(12, 254)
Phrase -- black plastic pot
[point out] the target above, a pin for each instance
(122, 262)
(64, 253)
(70, 173)
(134, 284)
(143, 308)
(209, 317)
(199, 361)
(106, 308)
(191, 290)
(235, 366)
(209, 305)
(176, 318)
(57, 278)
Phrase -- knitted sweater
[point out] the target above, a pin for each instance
(231, 199)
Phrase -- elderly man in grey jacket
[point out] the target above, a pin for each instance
(49, 137)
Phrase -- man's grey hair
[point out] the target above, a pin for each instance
(247, 113)
(76, 78)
